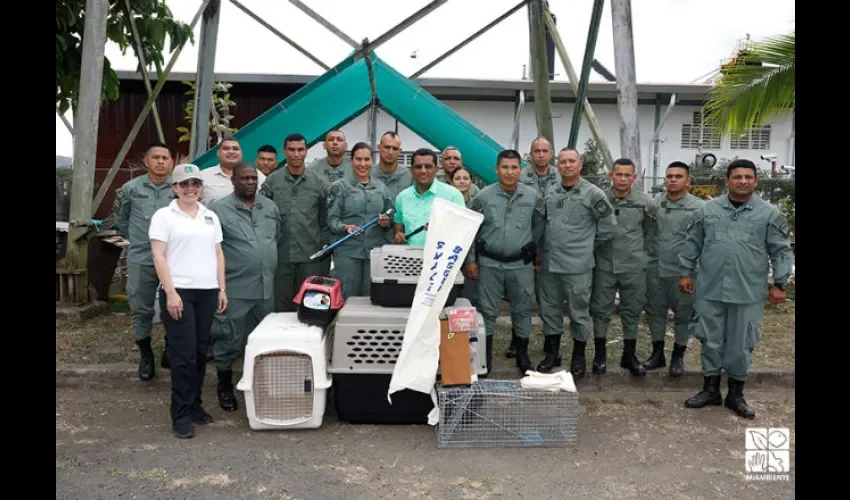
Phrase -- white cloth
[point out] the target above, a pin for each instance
(558, 381)
(451, 231)
(190, 245)
(217, 184)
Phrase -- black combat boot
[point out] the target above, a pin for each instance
(522, 361)
(735, 399)
(165, 364)
(629, 359)
(709, 395)
(578, 363)
(656, 359)
(600, 357)
(552, 348)
(510, 352)
(677, 360)
(146, 361)
(226, 398)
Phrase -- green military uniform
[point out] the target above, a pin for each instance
(302, 202)
(621, 266)
(328, 173)
(540, 183)
(250, 238)
(352, 203)
(395, 182)
(734, 247)
(511, 222)
(662, 279)
(135, 203)
(572, 218)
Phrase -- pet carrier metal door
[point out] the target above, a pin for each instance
(283, 387)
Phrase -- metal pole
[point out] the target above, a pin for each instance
(627, 103)
(280, 35)
(540, 71)
(398, 28)
(372, 126)
(113, 170)
(573, 79)
(144, 66)
(585, 70)
(204, 80)
(517, 118)
(85, 144)
(324, 22)
(464, 43)
(66, 122)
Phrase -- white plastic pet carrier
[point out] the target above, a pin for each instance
(285, 379)
(395, 271)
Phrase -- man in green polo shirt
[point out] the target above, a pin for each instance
(413, 205)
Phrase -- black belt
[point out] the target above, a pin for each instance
(526, 254)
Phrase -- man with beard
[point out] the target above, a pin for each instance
(250, 225)
(387, 171)
(334, 166)
(217, 182)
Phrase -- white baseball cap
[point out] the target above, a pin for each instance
(184, 172)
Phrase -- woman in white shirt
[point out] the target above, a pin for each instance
(186, 245)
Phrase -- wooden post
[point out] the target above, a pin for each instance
(624, 67)
(198, 141)
(85, 143)
(540, 71)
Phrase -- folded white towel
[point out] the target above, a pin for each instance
(558, 381)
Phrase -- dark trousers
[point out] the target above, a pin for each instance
(188, 339)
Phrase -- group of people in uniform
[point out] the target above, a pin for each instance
(548, 236)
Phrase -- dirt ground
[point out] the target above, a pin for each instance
(115, 442)
(108, 339)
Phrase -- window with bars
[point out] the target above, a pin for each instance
(756, 138)
(691, 134)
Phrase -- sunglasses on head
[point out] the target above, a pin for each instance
(191, 182)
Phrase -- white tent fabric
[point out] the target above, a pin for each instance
(451, 232)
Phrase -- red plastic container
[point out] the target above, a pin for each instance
(319, 299)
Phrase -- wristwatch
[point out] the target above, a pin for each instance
(781, 286)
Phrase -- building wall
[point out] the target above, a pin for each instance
(496, 119)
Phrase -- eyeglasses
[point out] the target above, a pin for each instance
(191, 182)
(426, 167)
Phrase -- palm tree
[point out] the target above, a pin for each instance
(757, 86)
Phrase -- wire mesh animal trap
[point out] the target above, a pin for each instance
(503, 414)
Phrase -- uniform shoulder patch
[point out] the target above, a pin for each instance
(602, 207)
(781, 223)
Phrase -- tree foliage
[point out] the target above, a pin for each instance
(220, 117)
(155, 24)
(757, 86)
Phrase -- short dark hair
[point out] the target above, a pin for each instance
(569, 149)
(424, 152)
(157, 144)
(294, 137)
(389, 133)
(267, 148)
(624, 161)
(335, 130)
(680, 164)
(741, 163)
(229, 138)
(360, 145)
(242, 164)
(508, 154)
